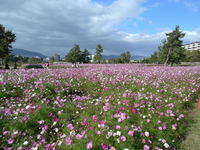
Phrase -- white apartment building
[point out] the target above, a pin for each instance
(192, 46)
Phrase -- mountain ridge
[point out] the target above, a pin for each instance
(26, 53)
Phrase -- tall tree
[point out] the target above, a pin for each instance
(172, 49)
(98, 55)
(125, 57)
(6, 39)
(74, 55)
(85, 56)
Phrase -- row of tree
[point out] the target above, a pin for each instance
(122, 59)
(169, 52)
(75, 55)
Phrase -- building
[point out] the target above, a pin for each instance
(56, 57)
(91, 58)
(192, 46)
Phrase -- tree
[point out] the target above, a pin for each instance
(6, 39)
(193, 56)
(98, 56)
(74, 55)
(172, 50)
(85, 56)
(125, 57)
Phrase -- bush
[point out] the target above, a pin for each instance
(35, 66)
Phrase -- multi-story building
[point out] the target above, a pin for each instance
(192, 46)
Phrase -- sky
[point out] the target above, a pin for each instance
(138, 26)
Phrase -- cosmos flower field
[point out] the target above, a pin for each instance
(99, 107)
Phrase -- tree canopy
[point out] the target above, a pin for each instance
(6, 39)
(171, 50)
(85, 56)
(98, 54)
(74, 55)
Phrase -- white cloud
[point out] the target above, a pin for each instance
(51, 26)
(191, 6)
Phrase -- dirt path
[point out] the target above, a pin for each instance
(192, 141)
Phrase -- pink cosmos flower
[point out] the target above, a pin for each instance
(134, 111)
(55, 119)
(174, 126)
(110, 133)
(123, 138)
(89, 145)
(106, 89)
(136, 105)
(118, 127)
(125, 95)
(122, 117)
(130, 133)
(102, 122)
(104, 147)
(70, 126)
(44, 128)
(5, 132)
(84, 123)
(105, 108)
(181, 116)
(146, 147)
(79, 136)
(68, 141)
(94, 118)
(50, 114)
(10, 141)
(40, 121)
(98, 132)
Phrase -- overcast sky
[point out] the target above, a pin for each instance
(138, 26)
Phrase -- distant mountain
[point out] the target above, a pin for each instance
(115, 56)
(26, 53)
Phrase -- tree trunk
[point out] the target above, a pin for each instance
(167, 59)
(15, 65)
(7, 66)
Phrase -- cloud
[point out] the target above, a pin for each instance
(191, 6)
(192, 36)
(50, 26)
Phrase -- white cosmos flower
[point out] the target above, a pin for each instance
(146, 134)
(25, 143)
(166, 145)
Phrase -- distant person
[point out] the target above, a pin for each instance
(15, 66)
(46, 65)
(7, 67)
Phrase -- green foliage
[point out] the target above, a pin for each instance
(124, 58)
(74, 55)
(98, 55)
(85, 56)
(34, 60)
(193, 56)
(35, 66)
(6, 38)
(171, 51)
